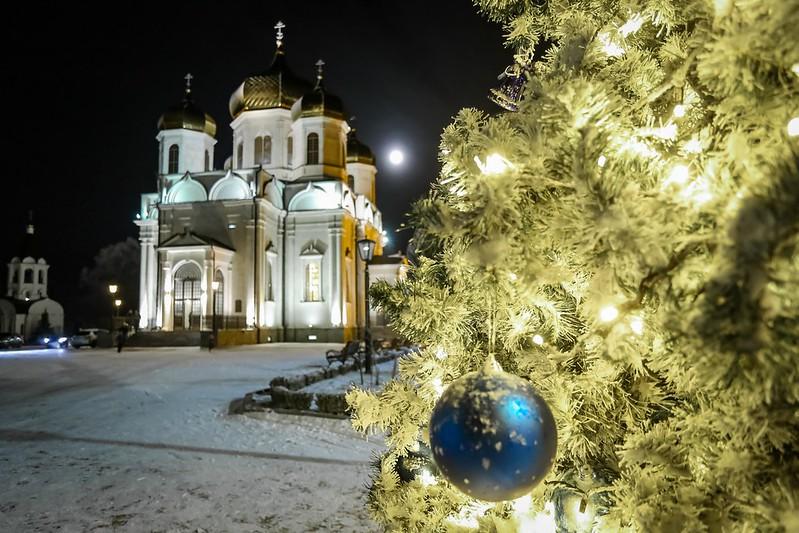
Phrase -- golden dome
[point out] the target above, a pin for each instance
(357, 152)
(278, 87)
(319, 102)
(187, 115)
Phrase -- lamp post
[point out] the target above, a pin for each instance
(112, 290)
(366, 250)
(214, 289)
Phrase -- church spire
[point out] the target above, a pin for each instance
(29, 230)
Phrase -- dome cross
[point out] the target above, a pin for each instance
(320, 66)
(188, 77)
(279, 35)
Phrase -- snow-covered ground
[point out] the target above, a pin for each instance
(140, 441)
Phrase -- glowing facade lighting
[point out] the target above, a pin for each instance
(793, 127)
(608, 313)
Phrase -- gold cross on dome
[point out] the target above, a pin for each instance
(188, 77)
(320, 65)
(279, 27)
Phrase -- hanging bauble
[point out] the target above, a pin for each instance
(410, 466)
(492, 435)
(510, 92)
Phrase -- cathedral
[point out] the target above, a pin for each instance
(265, 247)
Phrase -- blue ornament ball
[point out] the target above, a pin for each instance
(493, 436)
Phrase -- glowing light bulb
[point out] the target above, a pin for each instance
(609, 47)
(601, 161)
(495, 164)
(632, 25)
(795, 68)
(692, 146)
(637, 325)
(538, 339)
(609, 313)
(679, 175)
(667, 132)
(679, 111)
(793, 127)
(438, 386)
(427, 478)
(512, 276)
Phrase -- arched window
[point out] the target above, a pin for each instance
(290, 151)
(240, 156)
(313, 281)
(28, 276)
(270, 294)
(41, 276)
(174, 155)
(351, 182)
(207, 161)
(312, 150)
(219, 298)
(258, 149)
(267, 158)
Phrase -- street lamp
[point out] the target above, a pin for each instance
(214, 289)
(366, 251)
(112, 290)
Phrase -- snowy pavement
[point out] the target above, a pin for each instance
(92, 440)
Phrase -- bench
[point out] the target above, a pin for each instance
(350, 351)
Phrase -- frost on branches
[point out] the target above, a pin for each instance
(631, 234)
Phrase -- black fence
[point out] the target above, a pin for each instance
(224, 322)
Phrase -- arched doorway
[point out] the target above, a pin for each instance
(187, 291)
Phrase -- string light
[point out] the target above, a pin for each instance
(438, 386)
(494, 164)
(601, 161)
(679, 111)
(693, 146)
(795, 68)
(609, 47)
(538, 339)
(609, 313)
(679, 175)
(632, 25)
(441, 353)
(637, 325)
(667, 132)
(426, 478)
(793, 127)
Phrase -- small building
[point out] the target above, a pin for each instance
(26, 309)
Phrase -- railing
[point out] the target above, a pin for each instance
(224, 322)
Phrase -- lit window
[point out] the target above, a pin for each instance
(313, 282)
(289, 150)
(312, 150)
(174, 154)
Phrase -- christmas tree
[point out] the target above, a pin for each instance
(626, 238)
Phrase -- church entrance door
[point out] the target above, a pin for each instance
(187, 291)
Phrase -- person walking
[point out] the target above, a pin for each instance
(122, 336)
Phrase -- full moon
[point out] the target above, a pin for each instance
(396, 157)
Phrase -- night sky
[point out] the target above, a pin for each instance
(84, 90)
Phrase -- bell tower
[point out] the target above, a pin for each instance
(27, 272)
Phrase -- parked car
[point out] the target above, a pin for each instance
(85, 337)
(53, 341)
(10, 340)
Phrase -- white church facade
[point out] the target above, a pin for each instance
(267, 244)
(26, 309)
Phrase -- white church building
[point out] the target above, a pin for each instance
(268, 244)
(26, 309)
